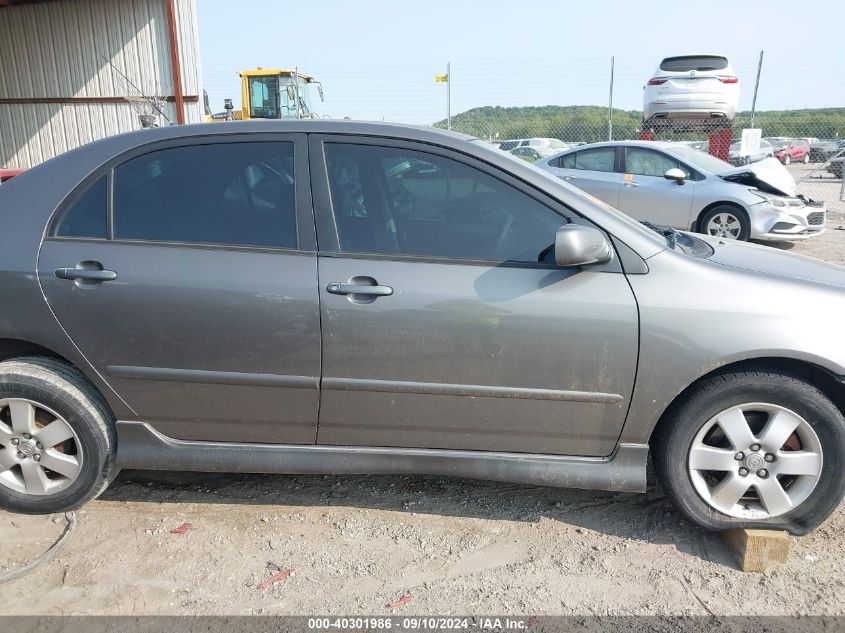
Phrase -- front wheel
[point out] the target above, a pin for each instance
(727, 222)
(787, 159)
(753, 449)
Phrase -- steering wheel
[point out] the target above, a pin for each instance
(503, 234)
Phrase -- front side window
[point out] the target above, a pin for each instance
(599, 159)
(87, 216)
(404, 202)
(239, 194)
(647, 162)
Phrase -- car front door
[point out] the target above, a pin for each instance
(592, 170)
(647, 195)
(187, 275)
(444, 323)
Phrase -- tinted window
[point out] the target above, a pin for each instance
(599, 159)
(236, 193)
(693, 62)
(88, 215)
(405, 202)
(647, 162)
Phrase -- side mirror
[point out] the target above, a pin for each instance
(675, 174)
(577, 245)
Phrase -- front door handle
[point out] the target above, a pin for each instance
(339, 288)
(86, 271)
(632, 184)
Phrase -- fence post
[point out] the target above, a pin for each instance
(756, 86)
(610, 106)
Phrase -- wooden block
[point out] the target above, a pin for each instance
(758, 550)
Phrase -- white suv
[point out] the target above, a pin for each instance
(692, 87)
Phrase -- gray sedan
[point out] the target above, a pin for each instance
(674, 185)
(343, 297)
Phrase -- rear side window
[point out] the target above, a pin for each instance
(239, 194)
(87, 216)
(599, 159)
(693, 62)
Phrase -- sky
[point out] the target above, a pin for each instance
(377, 59)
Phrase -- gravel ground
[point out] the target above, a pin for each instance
(358, 543)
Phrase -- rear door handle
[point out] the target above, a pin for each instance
(632, 184)
(86, 274)
(339, 288)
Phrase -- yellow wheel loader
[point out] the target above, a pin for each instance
(271, 94)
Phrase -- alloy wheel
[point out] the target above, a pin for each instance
(725, 225)
(755, 461)
(40, 454)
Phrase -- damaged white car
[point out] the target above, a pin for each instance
(669, 184)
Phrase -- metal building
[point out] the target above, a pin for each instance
(61, 67)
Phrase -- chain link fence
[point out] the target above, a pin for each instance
(810, 143)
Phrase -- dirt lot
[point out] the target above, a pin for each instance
(358, 543)
(818, 184)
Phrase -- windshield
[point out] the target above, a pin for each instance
(289, 88)
(699, 160)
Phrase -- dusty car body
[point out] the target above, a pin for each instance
(537, 335)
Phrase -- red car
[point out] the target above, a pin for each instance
(795, 150)
(8, 174)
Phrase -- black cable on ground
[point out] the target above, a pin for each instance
(70, 518)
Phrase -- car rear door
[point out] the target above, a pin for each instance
(445, 324)
(186, 274)
(647, 195)
(592, 170)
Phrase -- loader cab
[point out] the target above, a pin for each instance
(278, 94)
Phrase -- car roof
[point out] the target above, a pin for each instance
(313, 126)
(652, 144)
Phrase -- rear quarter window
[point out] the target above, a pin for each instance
(87, 213)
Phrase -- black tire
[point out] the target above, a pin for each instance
(66, 391)
(740, 214)
(674, 438)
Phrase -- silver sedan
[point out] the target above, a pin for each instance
(670, 184)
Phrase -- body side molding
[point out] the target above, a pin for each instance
(478, 391)
(212, 377)
(140, 446)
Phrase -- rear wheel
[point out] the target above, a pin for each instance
(725, 221)
(806, 159)
(753, 449)
(57, 441)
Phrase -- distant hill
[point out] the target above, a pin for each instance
(589, 123)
